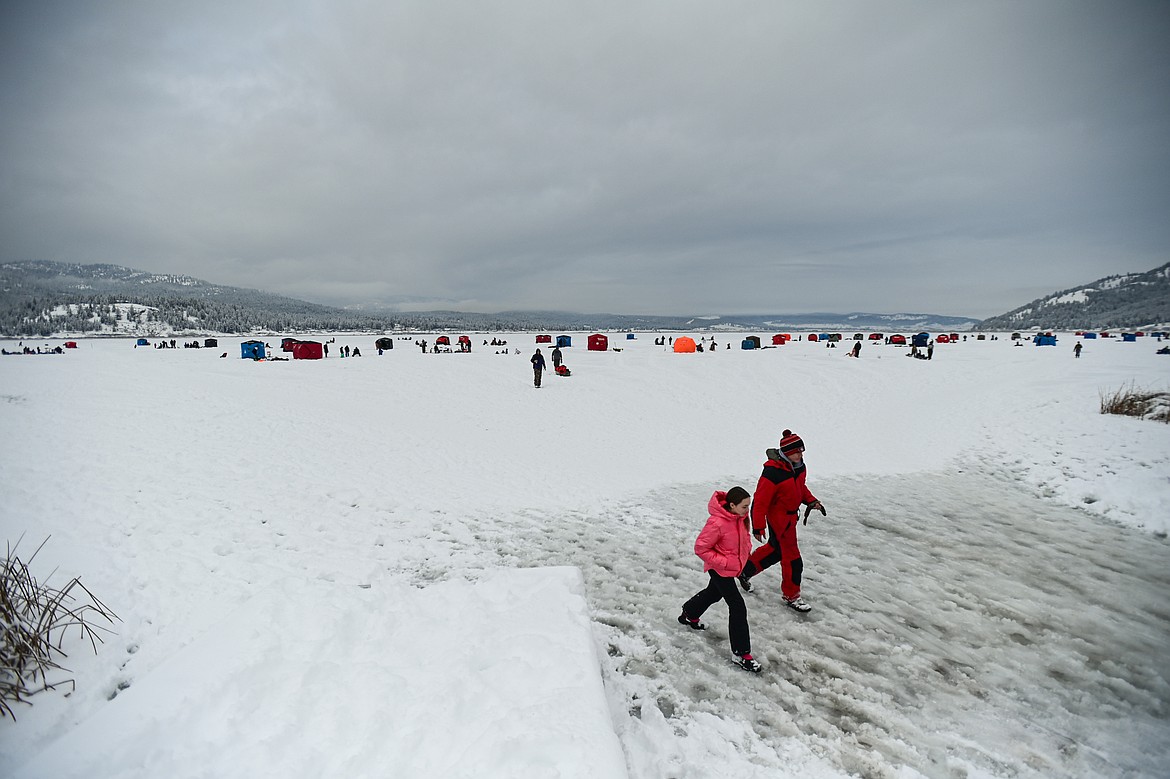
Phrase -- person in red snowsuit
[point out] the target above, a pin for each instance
(779, 496)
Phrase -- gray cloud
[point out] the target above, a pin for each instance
(657, 157)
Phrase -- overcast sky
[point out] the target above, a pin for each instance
(629, 157)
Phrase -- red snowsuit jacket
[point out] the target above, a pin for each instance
(779, 493)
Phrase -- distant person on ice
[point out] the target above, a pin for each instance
(724, 545)
(779, 495)
(1077, 350)
(538, 366)
(856, 351)
(556, 357)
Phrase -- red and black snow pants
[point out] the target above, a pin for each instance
(780, 548)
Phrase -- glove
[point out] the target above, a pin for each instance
(814, 505)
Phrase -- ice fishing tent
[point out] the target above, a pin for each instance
(981, 337)
(1129, 337)
(1089, 335)
(598, 343)
(544, 339)
(307, 350)
(858, 337)
(1015, 336)
(142, 342)
(824, 337)
(751, 342)
(630, 337)
(209, 342)
(921, 339)
(898, 340)
(384, 343)
(813, 337)
(778, 339)
(465, 340)
(287, 344)
(876, 336)
(564, 340)
(1044, 339)
(71, 344)
(252, 350)
(684, 345)
(944, 339)
(442, 341)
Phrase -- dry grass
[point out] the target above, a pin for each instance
(34, 620)
(1143, 404)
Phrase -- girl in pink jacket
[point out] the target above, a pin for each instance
(725, 544)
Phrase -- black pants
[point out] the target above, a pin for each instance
(724, 587)
(536, 376)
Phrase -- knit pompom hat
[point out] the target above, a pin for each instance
(791, 442)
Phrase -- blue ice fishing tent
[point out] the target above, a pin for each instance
(629, 336)
(1042, 339)
(922, 339)
(564, 340)
(1130, 337)
(824, 336)
(751, 342)
(252, 350)
(142, 342)
(1092, 336)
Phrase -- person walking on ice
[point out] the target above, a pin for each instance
(779, 495)
(538, 366)
(724, 545)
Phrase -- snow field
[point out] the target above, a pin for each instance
(988, 587)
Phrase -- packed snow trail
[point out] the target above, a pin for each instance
(959, 623)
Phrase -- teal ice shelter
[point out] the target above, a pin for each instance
(751, 342)
(1044, 339)
(252, 350)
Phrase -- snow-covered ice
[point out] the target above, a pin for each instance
(297, 550)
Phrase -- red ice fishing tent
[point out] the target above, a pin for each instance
(898, 340)
(943, 339)
(287, 344)
(307, 350)
(813, 337)
(875, 336)
(442, 341)
(780, 339)
(684, 345)
(544, 339)
(71, 344)
(598, 343)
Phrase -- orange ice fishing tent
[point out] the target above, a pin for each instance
(685, 344)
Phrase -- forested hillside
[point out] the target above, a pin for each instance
(1134, 301)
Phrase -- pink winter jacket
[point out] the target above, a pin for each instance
(724, 543)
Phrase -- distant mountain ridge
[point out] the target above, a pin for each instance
(1125, 301)
(43, 298)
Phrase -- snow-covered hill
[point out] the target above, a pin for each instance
(1132, 300)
